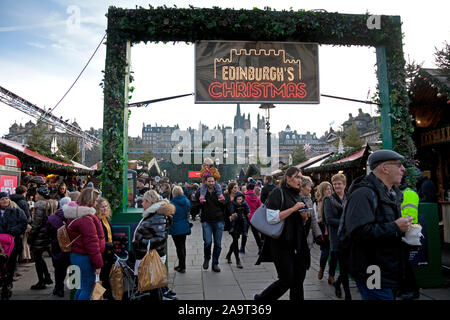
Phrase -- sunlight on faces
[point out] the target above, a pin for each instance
(210, 182)
(393, 170)
(295, 181)
(339, 186)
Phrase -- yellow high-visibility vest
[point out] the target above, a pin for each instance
(410, 204)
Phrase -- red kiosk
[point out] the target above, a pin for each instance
(9, 172)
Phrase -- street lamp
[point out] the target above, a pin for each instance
(267, 107)
(225, 156)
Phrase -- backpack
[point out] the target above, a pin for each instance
(63, 237)
(343, 239)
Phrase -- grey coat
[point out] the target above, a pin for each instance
(315, 228)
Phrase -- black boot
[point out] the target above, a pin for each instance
(48, 280)
(337, 289)
(38, 286)
(348, 295)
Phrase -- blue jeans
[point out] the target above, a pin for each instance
(87, 275)
(375, 294)
(210, 230)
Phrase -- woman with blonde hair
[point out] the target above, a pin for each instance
(85, 228)
(323, 190)
(152, 230)
(103, 213)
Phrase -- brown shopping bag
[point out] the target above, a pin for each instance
(152, 273)
(116, 281)
(97, 293)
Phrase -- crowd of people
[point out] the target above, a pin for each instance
(355, 227)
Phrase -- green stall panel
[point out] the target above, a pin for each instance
(428, 270)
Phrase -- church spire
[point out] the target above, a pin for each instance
(238, 109)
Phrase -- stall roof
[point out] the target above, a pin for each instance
(41, 162)
(352, 160)
(313, 160)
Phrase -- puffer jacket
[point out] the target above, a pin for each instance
(92, 240)
(253, 202)
(153, 228)
(14, 222)
(38, 237)
(180, 224)
(375, 238)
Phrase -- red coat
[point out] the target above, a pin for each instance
(92, 240)
(253, 202)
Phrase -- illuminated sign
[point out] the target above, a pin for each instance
(194, 174)
(256, 72)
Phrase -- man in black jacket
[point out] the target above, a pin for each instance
(212, 219)
(375, 227)
(13, 221)
(267, 188)
(19, 199)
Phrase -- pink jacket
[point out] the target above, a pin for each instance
(92, 240)
(253, 202)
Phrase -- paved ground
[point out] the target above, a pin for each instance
(230, 284)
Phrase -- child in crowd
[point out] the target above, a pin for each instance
(241, 209)
(208, 169)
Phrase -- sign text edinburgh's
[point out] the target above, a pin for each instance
(256, 72)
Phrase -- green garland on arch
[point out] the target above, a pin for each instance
(164, 24)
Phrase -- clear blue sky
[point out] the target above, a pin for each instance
(41, 55)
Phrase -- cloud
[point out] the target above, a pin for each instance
(37, 45)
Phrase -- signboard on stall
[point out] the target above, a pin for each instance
(419, 255)
(256, 72)
(8, 184)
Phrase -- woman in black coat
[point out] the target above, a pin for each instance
(333, 207)
(152, 231)
(290, 252)
(38, 238)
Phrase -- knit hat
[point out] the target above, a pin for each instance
(44, 192)
(64, 201)
(4, 195)
(239, 194)
(90, 184)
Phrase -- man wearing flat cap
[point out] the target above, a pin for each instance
(375, 226)
(13, 221)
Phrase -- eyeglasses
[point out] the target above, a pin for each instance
(397, 164)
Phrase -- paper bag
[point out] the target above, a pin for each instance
(152, 273)
(116, 281)
(97, 293)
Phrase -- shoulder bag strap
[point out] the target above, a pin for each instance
(282, 199)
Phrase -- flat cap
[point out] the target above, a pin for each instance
(380, 156)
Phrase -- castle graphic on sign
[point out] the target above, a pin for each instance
(252, 73)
